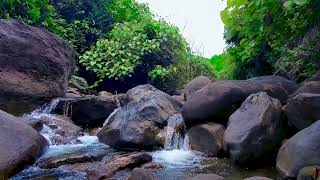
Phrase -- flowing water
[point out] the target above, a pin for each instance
(178, 161)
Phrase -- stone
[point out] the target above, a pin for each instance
(255, 131)
(303, 110)
(141, 174)
(20, 145)
(138, 123)
(74, 155)
(217, 101)
(195, 85)
(89, 111)
(207, 177)
(309, 173)
(310, 87)
(207, 138)
(300, 151)
(35, 67)
(66, 132)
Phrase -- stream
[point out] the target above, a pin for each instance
(178, 161)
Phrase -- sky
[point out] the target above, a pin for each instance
(198, 20)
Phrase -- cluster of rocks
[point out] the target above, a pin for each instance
(263, 120)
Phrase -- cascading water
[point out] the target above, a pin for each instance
(177, 153)
(45, 110)
(176, 137)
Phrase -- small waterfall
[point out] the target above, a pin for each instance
(176, 137)
(67, 110)
(45, 110)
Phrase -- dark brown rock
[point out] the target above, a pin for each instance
(89, 111)
(207, 138)
(35, 66)
(217, 101)
(255, 131)
(138, 124)
(20, 145)
(303, 110)
(300, 151)
(141, 174)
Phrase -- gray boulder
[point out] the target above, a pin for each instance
(309, 87)
(303, 110)
(217, 101)
(138, 124)
(300, 151)
(254, 131)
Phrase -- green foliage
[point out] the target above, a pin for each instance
(30, 11)
(118, 56)
(263, 36)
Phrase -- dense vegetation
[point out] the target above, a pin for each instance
(270, 37)
(118, 43)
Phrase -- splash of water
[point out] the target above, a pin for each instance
(45, 110)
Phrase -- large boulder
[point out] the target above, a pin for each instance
(255, 130)
(303, 110)
(139, 122)
(35, 66)
(20, 145)
(90, 111)
(217, 101)
(300, 151)
(195, 85)
(310, 87)
(207, 138)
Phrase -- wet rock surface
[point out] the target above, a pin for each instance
(20, 145)
(89, 111)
